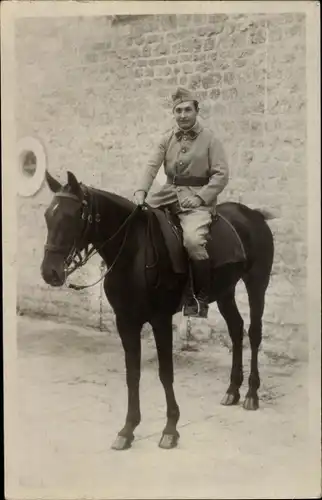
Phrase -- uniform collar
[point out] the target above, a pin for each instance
(192, 133)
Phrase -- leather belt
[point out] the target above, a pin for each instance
(192, 180)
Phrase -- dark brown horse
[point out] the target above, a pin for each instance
(120, 232)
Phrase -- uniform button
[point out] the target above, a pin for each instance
(183, 150)
(181, 163)
(184, 137)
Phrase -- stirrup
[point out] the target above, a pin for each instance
(196, 309)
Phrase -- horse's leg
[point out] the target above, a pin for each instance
(228, 308)
(162, 329)
(256, 289)
(129, 331)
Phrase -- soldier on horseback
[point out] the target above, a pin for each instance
(197, 171)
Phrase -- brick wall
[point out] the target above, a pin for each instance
(96, 94)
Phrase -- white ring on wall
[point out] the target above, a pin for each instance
(30, 180)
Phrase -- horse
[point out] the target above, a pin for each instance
(141, 286)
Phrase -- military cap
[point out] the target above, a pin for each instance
(182, 95)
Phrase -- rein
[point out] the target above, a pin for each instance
(75, 252)
(93, 252)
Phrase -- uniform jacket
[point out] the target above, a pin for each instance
(194, 153)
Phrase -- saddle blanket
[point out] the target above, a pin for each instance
(224, 245)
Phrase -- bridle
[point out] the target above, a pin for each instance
(89, 215)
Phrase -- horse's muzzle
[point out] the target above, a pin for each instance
(53, 273)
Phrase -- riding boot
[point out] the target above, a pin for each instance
(201, 276)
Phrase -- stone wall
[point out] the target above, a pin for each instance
(95, 92)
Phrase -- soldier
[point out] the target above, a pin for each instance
(197, 171)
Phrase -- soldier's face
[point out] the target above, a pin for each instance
(185, 114)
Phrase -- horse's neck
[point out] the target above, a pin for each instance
(114, 212)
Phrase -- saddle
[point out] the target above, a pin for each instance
(224, 245)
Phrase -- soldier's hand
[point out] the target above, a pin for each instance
(139, 197)
(191, 202)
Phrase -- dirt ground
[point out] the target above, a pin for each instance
(72, 402)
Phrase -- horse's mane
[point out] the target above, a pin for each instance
(121, 201)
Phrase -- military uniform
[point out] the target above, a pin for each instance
(195, 165)
(195, 155)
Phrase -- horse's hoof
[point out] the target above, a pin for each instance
(251, 403)
(122, 443)
(169, 441)
(230, 399)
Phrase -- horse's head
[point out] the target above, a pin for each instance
(65, 227)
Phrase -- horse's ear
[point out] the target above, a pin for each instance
(73, 183)
(53, 184)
